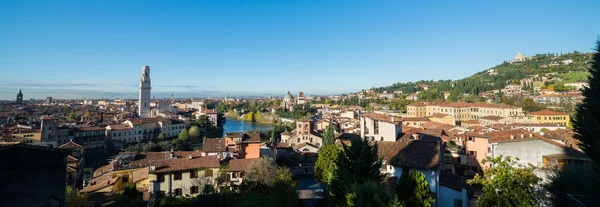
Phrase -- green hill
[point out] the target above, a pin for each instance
(549, 65)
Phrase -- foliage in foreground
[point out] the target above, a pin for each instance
(413, 189)
(73, 198)
(506, 185)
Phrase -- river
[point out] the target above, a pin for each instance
(235, 125)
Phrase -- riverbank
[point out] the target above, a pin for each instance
(256, 117)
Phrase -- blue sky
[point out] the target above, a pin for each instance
(75, 49)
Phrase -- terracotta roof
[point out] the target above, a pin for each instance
(382, 117)
(100, 182)
(70, 169)
(494, 118)
(252, 138)
(297, 147)
(208, 112)
(283, 145)
(214, 145)
(180, 164)
(234, 134)
(388, 150)
(305, 120)
(286, 133)
(418, 154)
(89, 128)
(140, 174)
(70, 145)
(241, 165)
(439, 115)
(548, 113)
(415, 118)
(470, 121)
(145, 158)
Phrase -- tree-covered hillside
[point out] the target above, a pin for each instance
(499, 76)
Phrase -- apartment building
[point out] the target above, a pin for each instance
(462, 111)
(380, 127)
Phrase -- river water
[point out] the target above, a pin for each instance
(235, 125)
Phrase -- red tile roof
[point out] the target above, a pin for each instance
(382, 117)
(548, 113)
(241, 165)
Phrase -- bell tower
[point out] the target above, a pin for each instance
(145, 87)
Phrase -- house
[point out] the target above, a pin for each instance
(121, 133)
(380, 127)
(219, 147)
(75, 163)
(212, 116)
(414, 121)
(454, 191)
(237, 170)
(306, 147)
(90, 137)
(303, 133)
(551, 117)
(490, 120)
(528, 146)
(443, 118)
(249, 147)
(34, 175)
(404, 156)
(469, 123)
(183, 176)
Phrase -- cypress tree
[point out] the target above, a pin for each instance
(588, 112)
(329, 136)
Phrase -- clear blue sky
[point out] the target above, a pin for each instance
(74, 49)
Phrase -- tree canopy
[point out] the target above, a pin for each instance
(507, 185)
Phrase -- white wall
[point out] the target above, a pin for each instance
(527, 151)
(448, 195)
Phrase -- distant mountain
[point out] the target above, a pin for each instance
(571, 67)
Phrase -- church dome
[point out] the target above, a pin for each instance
(288, 97)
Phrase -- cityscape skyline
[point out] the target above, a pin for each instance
(94, 50)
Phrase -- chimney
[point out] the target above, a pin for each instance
(152, 168)
(512, 137)
(530, 135)
(171, 156)
(522, 136)
(392, 118)
(190, 156)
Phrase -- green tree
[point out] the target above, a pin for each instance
(413, 189)
(194, 132)
(506, 185)
(130, 197)
(161, 136)
(73, 198)
(587, 118)
(573, 179)
(370, 194)
(183, 135)
(326, 163)
(529, 105)
(358, 163)
(204, 122)
(329, 136)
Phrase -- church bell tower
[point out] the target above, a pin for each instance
(145, 87)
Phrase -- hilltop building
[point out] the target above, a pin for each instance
(145, 87)
(519, 58)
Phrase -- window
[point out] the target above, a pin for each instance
(193, 174)
(178, 192)
(208, 173)
(161, 178)
(125, 178)
(177, 176)
(194, 190)
(472, 153)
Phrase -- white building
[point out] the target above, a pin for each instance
(380, 127)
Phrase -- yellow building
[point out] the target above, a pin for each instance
(443, 118)
(551, 117)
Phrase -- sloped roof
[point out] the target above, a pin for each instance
(241, 165)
